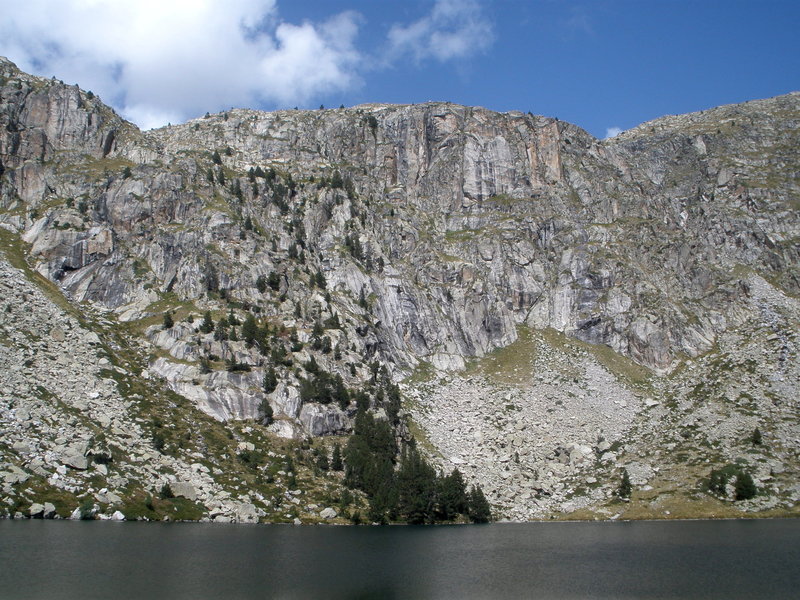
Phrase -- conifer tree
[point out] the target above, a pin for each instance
(453, 499)
(745, 486)
(756, 437)
(416, 488)
(322, 460)
(221, 330)
(479, 509)
(249, 330)
(207, 326)
(624, 490)
(266, 411)
(270, 380)
(336, 459)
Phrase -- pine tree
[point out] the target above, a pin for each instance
(416, 488)
(270, 380)
(168, 322)
(322, 460)
(624, 490)
(756, 437)
(221, 330)
(336, 459)
(453, 499)
(207, 326)
(479, 509)
(717, 482)
(266, 411)
(215, 158)
(249, 330)
(745, 486)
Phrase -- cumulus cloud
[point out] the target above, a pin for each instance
(167, 60)
(454, 29)
(613, 132)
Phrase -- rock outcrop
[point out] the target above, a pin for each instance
(381, 240)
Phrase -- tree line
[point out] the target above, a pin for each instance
(400, 484)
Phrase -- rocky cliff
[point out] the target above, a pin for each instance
(637, 282)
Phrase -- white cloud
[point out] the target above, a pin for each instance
(453, 29)
(167, 60)
(160, 61)
(613, 132)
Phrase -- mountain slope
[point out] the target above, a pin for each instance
(417, 239)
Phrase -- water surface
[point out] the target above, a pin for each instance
(689, 559)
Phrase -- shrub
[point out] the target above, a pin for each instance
(87, 510)
(755, 439)
(166, 491)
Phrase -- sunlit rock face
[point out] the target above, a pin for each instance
(434, 234)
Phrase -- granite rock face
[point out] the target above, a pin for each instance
(403, 238)
(472, 221)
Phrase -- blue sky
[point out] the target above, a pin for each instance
(600, 64)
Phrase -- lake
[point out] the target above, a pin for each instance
(671, 559)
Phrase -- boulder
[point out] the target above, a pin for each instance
(328, 513)
(49, 511)
(36, 511)
(246, 513)
(184, 489)
(76, 461)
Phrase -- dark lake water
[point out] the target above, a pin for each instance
(697, 559)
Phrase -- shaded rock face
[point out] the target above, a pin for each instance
(439, 229)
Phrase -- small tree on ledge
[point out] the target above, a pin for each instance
(756, 437)
(624, 490)
(266, 411)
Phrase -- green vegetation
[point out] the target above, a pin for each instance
(744, 487)
(624, 489)
(400, 484)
